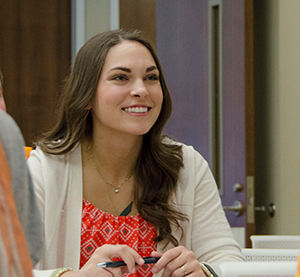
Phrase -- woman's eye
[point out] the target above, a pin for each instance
(120, 78)
(152, 77)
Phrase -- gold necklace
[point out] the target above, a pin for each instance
(117, 188)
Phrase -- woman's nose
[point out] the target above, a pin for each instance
(139, 89)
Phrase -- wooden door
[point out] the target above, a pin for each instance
(137, 14)
(212, 90)
(35, 57)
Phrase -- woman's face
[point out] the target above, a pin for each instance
(129, 95)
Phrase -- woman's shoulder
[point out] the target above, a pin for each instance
(38, 154)
(188, 151)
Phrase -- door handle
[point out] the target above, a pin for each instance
(271, 209)
(238, 208)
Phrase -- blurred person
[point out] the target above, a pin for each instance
(21, 240)
(3, 107)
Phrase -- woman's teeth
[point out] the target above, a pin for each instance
(136, 110)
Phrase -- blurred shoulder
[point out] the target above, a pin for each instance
(9, 127)
(12, 140)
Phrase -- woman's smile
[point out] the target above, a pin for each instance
(141, 110)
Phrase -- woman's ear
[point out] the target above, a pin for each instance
(89, 107)
(90, 104)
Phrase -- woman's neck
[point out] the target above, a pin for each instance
(115, 156)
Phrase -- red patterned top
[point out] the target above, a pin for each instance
(99, 228)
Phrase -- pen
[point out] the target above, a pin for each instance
(148, 260)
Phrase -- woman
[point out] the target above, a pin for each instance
(105, 175)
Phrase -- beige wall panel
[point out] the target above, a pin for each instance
(278, 175)
(97, 17)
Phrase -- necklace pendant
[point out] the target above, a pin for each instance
(97, 169)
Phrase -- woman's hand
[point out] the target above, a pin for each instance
(105, 253)
(177, 262)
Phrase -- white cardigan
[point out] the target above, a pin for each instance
(58, 185)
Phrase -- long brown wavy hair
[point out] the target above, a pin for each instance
(158, 163)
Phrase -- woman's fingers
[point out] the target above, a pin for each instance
(106, 253)
(167, 262)
(126, 253)
(156, 254)
(178, 262)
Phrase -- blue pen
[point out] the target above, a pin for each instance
(148, 260)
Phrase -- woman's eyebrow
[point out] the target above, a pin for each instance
(121, 68)
(151, 68)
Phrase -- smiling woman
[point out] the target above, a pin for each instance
(129, 97)
(106, 177)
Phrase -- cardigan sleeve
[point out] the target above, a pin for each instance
(58, 185)
(216, 242)
(35, 167)
(42, 273)
(208, 233)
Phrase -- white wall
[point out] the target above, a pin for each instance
(277, 89)
(97, 17)
(90, 17)
(287, 171)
